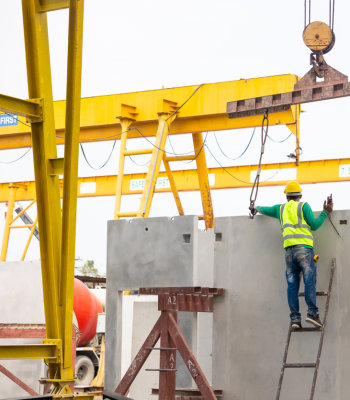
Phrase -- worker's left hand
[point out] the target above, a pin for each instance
(328, 204)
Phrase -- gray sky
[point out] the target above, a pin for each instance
(137, 45)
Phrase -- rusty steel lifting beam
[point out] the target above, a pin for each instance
(306, 90)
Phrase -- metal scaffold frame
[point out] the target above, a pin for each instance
(57, 227)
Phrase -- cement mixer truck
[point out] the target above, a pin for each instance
(87, 316)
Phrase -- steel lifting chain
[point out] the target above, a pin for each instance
(255, 188)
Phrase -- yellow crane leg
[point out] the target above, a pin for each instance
(9, 217)
(203, 180)
(44, 149)
(70, 183)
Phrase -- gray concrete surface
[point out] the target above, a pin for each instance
(21, 301)
(251, 320)
(156, 252)
(145, 316)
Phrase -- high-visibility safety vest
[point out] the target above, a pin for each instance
(295, 229)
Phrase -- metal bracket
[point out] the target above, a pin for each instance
(57, 351)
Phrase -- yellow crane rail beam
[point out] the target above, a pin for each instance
(204, 111)
(319, 171)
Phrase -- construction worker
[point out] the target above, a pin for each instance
(297, 221)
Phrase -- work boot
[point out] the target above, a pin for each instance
(314, 320)
(296, 325)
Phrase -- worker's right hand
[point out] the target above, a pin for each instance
(328, 205)
(253, 210)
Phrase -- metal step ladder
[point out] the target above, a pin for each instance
(158, 155)
(316, 364)
(153, 169)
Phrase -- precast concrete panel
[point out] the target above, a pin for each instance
(155, 252)
(251, 320)
(21, 302)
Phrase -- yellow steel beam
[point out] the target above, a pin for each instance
(52, 5)
(48, 351)
(319, 171)
(205, 111)
(31, 109)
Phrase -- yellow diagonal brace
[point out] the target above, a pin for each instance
(203, 180)
(30, 109)
(173, 186)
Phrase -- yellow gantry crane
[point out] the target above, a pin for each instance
(158, 113)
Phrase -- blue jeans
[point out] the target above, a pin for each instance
(299, 260)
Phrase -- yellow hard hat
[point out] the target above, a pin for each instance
(293, 189)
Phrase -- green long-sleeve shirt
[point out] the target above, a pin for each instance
(313, 222)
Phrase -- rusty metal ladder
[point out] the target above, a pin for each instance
(322, 330)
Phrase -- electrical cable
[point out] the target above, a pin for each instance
(241, 180)
(99, 139)
(195, 150)
(17, 159)
(145, 137)
(330, 220)
(157, 147)
(104, 164)
(225, 169)
(185, 101)
(280, 141)
(244, 151)
(138, 164)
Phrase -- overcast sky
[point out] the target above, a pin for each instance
(137, 45)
